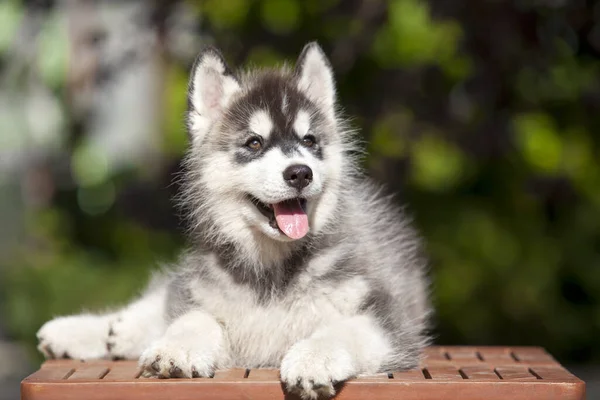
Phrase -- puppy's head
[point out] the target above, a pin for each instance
(267, 151)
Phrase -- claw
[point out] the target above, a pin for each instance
(48, 349)
(175, 371)
(155, 365)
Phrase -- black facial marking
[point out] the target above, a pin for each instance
(268, 94)
(243, 156)
(288, 147)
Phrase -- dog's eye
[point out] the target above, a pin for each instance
(309, 140)
(254, 143)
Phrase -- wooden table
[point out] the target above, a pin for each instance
(462, 373)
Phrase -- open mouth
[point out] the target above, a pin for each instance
(289, 216)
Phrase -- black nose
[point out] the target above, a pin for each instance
(298, 176)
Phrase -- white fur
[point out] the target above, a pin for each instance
(82, 337)
(212, 92)
(260, 123)
(302, 123)
(316, 79)
(333, 170)
(262, 335)
(192, 346)
(122, 334)
(335, 353)
(284, 103)
(321, 263)
(137, 325)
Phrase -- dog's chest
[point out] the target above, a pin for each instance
(259, 334)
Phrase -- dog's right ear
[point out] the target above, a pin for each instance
(211, 87)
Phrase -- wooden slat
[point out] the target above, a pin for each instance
(434, 355)
(463, 355)
(515, 374)
(373, 378)
(555, 373)
(469, 375)
(480, 373)
(408, 376)
(122, 372)
(51, 373)
(75, 363)
(271, 375)
(184, 390)
(60, 362)
(231, 375)
(533, 355)
(496, 355)
(442, 373)
(465, 390)
(87, 373)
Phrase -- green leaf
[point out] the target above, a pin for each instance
(389, 134)
(280, 16)
(226, 13)
(11, 14)
(412, 38)
(52, 59)
(175, 137)
(437, 165)
(539, 142)
(263, 56)
(89, 165)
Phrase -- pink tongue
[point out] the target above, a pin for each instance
(291, 218)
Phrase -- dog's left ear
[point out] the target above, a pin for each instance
(211, 88)
(315, 77)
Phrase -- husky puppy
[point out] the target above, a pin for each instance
(296, 262)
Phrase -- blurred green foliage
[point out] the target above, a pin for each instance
(484, 117)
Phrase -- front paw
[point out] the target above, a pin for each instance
(79, 336)
(312, 367)
(129, 335)
(175, 359)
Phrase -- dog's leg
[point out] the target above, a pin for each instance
(193, 346)
(347, 348)
(121, 334)
(77, 336)
(139, 324)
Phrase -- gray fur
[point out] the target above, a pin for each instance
(251, 296)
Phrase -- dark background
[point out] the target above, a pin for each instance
(482, 115)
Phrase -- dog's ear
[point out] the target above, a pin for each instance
(315, 77)
(211, 87)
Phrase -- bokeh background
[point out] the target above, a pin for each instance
(483, 115)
